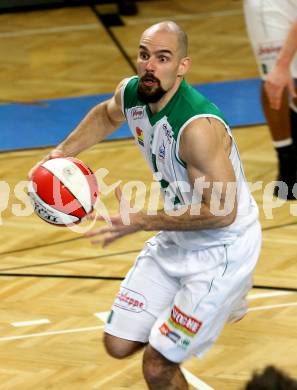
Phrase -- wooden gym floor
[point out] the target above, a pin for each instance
(55, 275)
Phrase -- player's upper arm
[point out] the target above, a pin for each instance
(204, 147)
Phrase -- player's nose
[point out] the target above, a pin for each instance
(150, 65)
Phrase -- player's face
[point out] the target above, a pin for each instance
(158, 65)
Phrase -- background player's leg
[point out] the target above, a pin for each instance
(293, 117)
(280, 129)
(161, 373)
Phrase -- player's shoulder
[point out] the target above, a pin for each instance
(129, 92)
(199, 128)
(190, 105)
(193, 101)
(121, 88)
(127, 82)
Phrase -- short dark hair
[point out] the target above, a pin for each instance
(271, 378)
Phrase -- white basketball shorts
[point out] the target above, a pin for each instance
(268, 23)
(180, 305)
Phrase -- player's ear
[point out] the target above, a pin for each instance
(184, 66)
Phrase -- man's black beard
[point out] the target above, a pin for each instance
(145, 95)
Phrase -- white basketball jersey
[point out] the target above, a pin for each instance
(158, 136)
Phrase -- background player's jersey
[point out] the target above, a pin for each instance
(158, 137)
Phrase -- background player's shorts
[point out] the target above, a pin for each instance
(268, 23)
(180, 306)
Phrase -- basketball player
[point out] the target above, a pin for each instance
(272, 28)
(193, 276)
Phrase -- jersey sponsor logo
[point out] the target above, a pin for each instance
(137, 113)
(140, 136)
(180, 320)
(162, 150)
(168, 132)
(130, 300)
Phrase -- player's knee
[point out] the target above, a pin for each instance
(156, 368)
(119, 348)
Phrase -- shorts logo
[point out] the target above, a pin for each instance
(174, 336)
(164, 329)
(184, 343)
(140, 137)
(137, 113)
(180, 320)
(109, 318)
(130, 300)
(268, 50)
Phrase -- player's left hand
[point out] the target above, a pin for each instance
(116, 228)
(278, 80)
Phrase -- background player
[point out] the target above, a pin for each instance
(272, 28)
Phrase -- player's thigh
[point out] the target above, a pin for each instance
(145, 292)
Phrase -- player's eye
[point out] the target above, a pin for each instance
(163, 59)
(143, 55)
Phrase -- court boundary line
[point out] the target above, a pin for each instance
(195, 381)
(279, 226)
(40, 246)
(268, 228)
(40, 148)
(191, 16)
(114, 278)
(94, 26)
(191, 378)
(269, 307)
(70, 260)
(279, 293)
(59, 276)
(50, 333)
(49, 30)
(41, 321)
(114, 38)
(80, 238)
(91, 328)
(263, 287)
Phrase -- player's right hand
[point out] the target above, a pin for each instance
(55, 153)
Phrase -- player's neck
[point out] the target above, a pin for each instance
(159, 105)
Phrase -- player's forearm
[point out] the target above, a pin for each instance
(93, 128)
(289, 48)
(187, 220)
